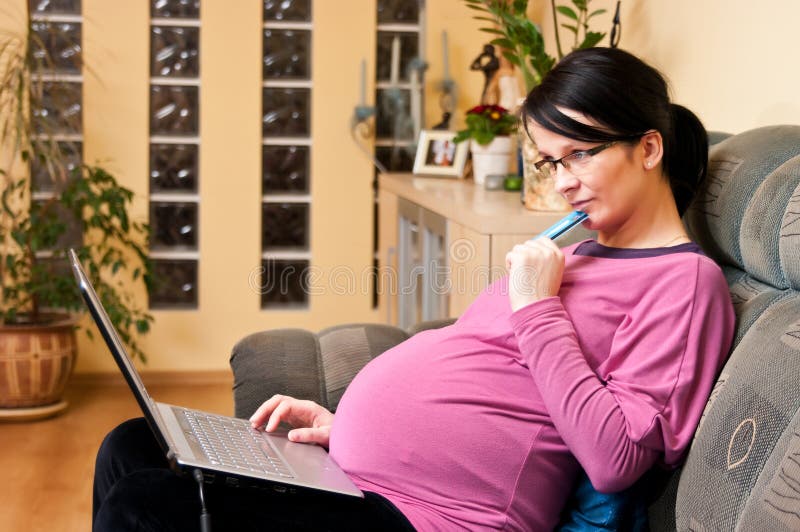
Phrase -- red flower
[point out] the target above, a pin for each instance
(485, 122)
(492, 111)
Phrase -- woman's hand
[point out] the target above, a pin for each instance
(311, 422)
(535, 269)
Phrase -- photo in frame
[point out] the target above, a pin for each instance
(438, 155)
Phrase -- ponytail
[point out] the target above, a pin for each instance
(685, 155)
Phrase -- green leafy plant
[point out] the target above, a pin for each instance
(485, 122)
(51, 201)
(521, 40)
(583, 37)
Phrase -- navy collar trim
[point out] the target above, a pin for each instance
(592, 248)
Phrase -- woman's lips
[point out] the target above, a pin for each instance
(580, 205)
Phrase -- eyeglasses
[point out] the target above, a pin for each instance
(576, 162)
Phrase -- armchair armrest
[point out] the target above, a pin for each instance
(303, 364)
(283, 361)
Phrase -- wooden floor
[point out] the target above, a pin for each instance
(47, 466)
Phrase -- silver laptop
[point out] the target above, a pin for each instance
(223, 448)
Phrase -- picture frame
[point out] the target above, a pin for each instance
(438, 155)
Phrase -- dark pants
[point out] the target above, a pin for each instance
(135, 490)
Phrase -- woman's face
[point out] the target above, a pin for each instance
(614, 184)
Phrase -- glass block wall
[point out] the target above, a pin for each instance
(286, 130)
(174, 151)
(58, 28)
(402, 19)
(395, 144)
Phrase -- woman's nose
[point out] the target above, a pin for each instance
(564, 180)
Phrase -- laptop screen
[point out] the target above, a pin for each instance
(117, 348)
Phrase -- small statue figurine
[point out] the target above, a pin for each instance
(488, 63)
(445, 123)
(503, 89)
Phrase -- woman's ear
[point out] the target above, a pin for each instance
(652, 149)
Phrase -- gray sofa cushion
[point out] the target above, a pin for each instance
(747, 215)
(306, 365)
(742, 470)
(283, 361)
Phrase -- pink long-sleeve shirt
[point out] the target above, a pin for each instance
(485, 423)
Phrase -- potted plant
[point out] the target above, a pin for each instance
(49, 202)
(490, 128)
(521, 40)
(522, 44)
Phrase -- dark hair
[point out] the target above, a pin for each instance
(626, 97)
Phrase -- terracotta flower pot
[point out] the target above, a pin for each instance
(35, 363)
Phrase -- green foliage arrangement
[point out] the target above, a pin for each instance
(485, 122)
(49, 203)
(521, 40)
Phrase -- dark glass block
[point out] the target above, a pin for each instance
(175, 9)
(174, 284)
(173, 225)
(174, 51)
(393, 119)
(398, 11)
(287, 54)
(284, 283)
(395, 158)
(285, 169)
(284, 225)
(287, 10)
(286, 112)
(174, 110)
(55, 7)
(59, 111)
(409, 49)
(72, 155)
(57, 46)
(173, 167)
(73, 233)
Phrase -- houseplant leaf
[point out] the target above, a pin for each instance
(568, 12)
(592, 38)
(573, 29)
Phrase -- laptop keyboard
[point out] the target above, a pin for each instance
(234, 443)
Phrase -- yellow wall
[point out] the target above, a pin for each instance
(464, 43)
(116, 130)
(729, 60)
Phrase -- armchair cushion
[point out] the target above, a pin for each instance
(296, 362)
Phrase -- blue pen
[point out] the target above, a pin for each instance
(564, 225)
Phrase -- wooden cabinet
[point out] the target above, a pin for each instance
(442, 241)
(422, 288)
(470, 265)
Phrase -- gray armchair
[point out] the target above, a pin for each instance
(743, 468)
